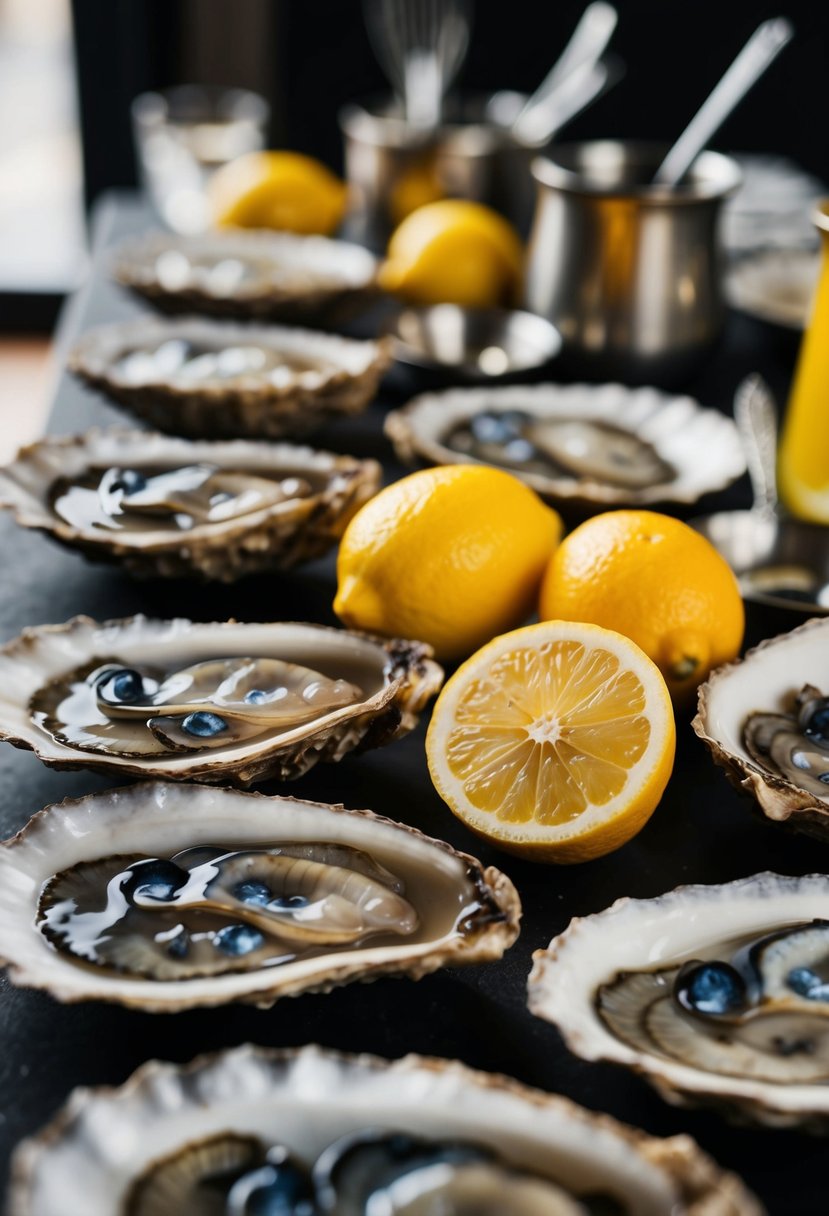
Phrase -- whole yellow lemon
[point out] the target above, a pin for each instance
(656, 581)
(283, 190)
(451, 556)
(457, 252)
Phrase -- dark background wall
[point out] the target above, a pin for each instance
(311, 56)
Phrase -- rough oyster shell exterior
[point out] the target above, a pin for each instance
(405, 673)
(764, 680)
(158, 819)
(702, 445)
(640, 934)
(253, 406)
(90, 1153)
(273, 538)
(327, 281)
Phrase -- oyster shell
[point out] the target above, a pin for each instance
(245, 507)
(266, 276)
(388, 900)
(600, 445)
(696, 990)
(107, 1146)
(362, 692)
(218, 379)
(767, 681)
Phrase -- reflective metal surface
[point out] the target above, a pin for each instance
(628, 272)
(780, 562)
(392, 168)
(474, 344)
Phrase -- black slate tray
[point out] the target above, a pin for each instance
(702, 832)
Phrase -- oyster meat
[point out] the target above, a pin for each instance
(599, 445)
(266, 276)
(252, 1130)
(170, 897)
(560, 447)
(794, 745)
(173, 507)
(210, 378)
(765, 720)
(718, 994)
(232, 702)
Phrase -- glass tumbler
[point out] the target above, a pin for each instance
(182, 135)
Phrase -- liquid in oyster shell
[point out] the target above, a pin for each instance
(580, 448)
(185, 363)
(173, 499)
(110, 706)
(211, 910)
(753, 1007)
(221, 273)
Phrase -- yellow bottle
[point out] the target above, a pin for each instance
(803, 472)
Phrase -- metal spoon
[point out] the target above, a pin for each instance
(578, 77)
(584, 50)
(762, 48)
(778, 560)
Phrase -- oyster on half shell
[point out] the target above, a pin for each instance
(219, 379)
(111, 1150)
(600, 445)
(168, 897)
(265, 276)
(758, 704)
(217, 702)
(719, 995)
(173, 507)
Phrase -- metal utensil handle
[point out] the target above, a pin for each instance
(756, 417)
(762, 48)
(575, 93)
(586, 46)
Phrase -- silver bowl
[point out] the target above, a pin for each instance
(474, 344)
(779, 562)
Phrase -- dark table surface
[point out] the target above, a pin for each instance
(702, 832)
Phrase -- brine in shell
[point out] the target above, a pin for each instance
(169, 507)
(765, 720)
(228, 702)
(260, 276)
(718, 995)
(217, 379)
(365, 1134)
(594, 445)
(168, 897)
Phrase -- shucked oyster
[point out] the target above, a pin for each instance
(211, 378)
(794, 745)
(168, 897)
(266, 276)
(596, 444)
(764, 720)
(165, 506)
(718, 994)
(353, 1135)
(221, 702)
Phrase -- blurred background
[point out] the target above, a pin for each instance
(69, 71)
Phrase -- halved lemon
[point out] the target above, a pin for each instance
(554, 741)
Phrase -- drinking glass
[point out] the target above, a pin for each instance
(182, 135)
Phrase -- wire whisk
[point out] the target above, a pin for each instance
(420, 44)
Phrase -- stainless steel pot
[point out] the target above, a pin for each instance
(392, 168)
(628, 272)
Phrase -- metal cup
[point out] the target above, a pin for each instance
(628, 272)
(392, 168)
